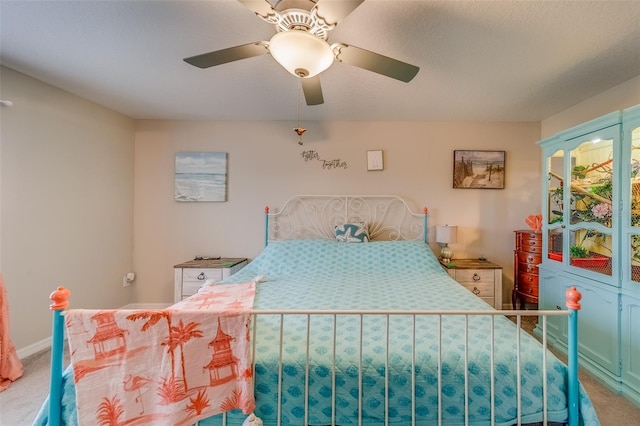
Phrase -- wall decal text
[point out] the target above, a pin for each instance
(325, 164)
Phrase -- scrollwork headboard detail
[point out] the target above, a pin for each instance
(388, 217)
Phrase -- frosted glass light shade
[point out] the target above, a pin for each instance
(301, 53)
(446, 234)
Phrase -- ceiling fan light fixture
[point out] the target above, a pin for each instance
(301, 53)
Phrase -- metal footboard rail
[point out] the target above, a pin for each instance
(387, 314)
(573, 297)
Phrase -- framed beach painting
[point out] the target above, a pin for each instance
(201, 176)
(478, 169)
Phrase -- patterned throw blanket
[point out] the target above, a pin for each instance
(171, 366)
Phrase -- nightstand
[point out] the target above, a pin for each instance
(190, 276)
(482, 278)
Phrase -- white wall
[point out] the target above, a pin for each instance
(66, 203)
(266, 168)
(617, 98)
(72, 212)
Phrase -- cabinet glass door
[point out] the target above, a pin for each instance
(634, 171)
(555, 169)
(591, 205)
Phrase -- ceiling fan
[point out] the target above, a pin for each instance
(300, 44)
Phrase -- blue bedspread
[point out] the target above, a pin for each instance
(322, 274)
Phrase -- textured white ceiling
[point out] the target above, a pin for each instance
(479, 60)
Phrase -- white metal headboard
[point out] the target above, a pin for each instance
(388, 217)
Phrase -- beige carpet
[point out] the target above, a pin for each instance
(20, 403)
(612, 409)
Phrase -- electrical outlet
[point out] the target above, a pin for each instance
(126, 280)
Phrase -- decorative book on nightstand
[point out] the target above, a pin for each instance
(191, 275)
(482, 278)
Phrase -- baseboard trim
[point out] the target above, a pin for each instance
(632, 394)
(42, 345)
(45, 344)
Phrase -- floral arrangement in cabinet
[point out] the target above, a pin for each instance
(591, 194)
(591, 200)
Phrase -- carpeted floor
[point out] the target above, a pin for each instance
(20, 403)
(612, 409)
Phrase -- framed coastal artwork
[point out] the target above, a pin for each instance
(201, 176)
(478, 169)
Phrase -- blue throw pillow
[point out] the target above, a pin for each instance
(352, 233)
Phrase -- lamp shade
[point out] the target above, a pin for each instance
(301, 53)
(446, 234)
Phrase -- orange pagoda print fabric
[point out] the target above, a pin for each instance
(172, 366)
(10, 364)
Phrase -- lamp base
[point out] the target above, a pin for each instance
(446, 253)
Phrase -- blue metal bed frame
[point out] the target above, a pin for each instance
(321, 214)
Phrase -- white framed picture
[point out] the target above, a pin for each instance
(375, 160)
(201, 176)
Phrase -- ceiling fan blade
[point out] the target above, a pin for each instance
(375, 62)
(230, 54)
(334, 11)
(312, 90)
(260, 7)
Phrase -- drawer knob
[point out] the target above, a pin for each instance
(530, 290)
(476, 291)
(476, 277)
(529, 259)
(202, 276)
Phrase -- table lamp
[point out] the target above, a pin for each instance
(446, 235)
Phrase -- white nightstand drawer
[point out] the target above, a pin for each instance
(490, 300)
(191, 287)
(480, 289)
(190, 276)
(475, 276)
(480, 277)
(193, 275)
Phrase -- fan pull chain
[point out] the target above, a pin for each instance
(299, 130)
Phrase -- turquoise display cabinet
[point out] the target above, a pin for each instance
(591, 240)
